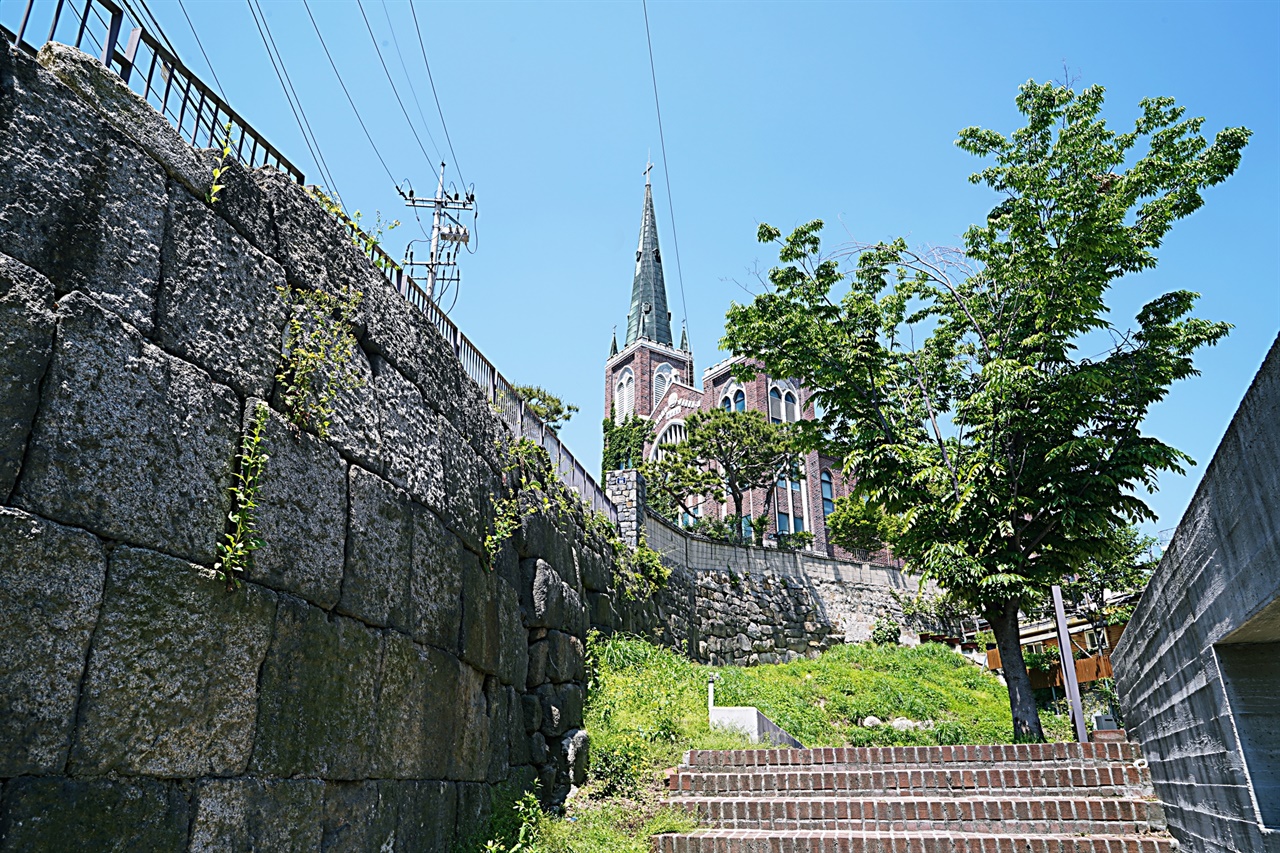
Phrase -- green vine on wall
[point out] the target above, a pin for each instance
(219, 170)
(532, 487)
(235, 554)
(316, 364)
(624, 442)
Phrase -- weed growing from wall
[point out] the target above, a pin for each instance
(316, 365)
(235, 554)
(527, 472)
(214, 188)
(364, 241)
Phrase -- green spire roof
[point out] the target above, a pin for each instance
(648, 317)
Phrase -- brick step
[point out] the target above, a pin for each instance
(1105, 781)
(886, 757)
(757, 841)
(1060, 815)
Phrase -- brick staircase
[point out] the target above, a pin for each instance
(1028, 798)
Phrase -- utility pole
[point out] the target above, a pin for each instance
(447, 234)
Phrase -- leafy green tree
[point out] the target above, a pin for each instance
(1125, 569)
(677, 480)
(725, 453)
(550, 409)
(965, 388)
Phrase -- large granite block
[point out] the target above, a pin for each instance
(112, 816)
(546, 601)
(51, 580)
(426, 815)
(242, 202)
(418, 690)
(302, 513)
(354, 428)
(499, 699)
(470, 484)
(561, 707)
(435, 582)
(410, 434)
(380, 531)
(356, 819)
(129, 441)
(218, 305)
(258, 814)
(78, 202)
(317, 703)
(26, 342)
(469, 749)
(127, 112)
(315, 250)
(172, 684)
(481, 619)
(513, 642)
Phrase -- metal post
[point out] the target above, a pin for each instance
(22, 27)
(1068, 666)
(130, 53)
(57, 13)
(113, 35)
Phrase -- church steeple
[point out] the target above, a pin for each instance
(648, 317)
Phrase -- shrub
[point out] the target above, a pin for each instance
(886, 632)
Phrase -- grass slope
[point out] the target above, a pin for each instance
(647, 705)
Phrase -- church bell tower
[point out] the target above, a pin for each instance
(638, 375)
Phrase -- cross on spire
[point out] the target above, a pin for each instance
(647, 170)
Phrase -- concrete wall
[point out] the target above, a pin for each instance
(747, 605)
(373, 678)
(1198, 667)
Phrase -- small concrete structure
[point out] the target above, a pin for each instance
(747, 720)
(1198, 668)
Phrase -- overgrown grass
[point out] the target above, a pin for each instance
(647, 705)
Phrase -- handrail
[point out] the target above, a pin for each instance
(199, 114)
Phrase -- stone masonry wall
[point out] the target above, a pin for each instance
(1215, 600)
(728, 605)
(373, 678)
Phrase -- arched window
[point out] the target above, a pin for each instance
(726, 403)
(675, 433)
(828, 494)
(775, 405)
(624, 395)
(739, 401)
(661, 382)
(789, 408)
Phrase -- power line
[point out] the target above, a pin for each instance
(350, 100)
(666, 174)
(395, 91)
(443, 124)
(200, 45)
(299, 114)
(405, 68)
(156, 24)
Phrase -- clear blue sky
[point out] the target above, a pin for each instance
(777, 112)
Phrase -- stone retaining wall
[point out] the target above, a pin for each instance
(374, 677)
(730, 605)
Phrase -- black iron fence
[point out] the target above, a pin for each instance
(205, 119)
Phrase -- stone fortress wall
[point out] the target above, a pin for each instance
(374, 678)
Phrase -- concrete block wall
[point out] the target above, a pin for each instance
(374, 677)
(1215, 592)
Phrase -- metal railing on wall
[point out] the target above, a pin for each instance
(201, 116)
(154, 72)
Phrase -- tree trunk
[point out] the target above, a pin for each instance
(737, 509)
(1003, 619)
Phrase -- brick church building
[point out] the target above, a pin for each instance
(652, 377)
